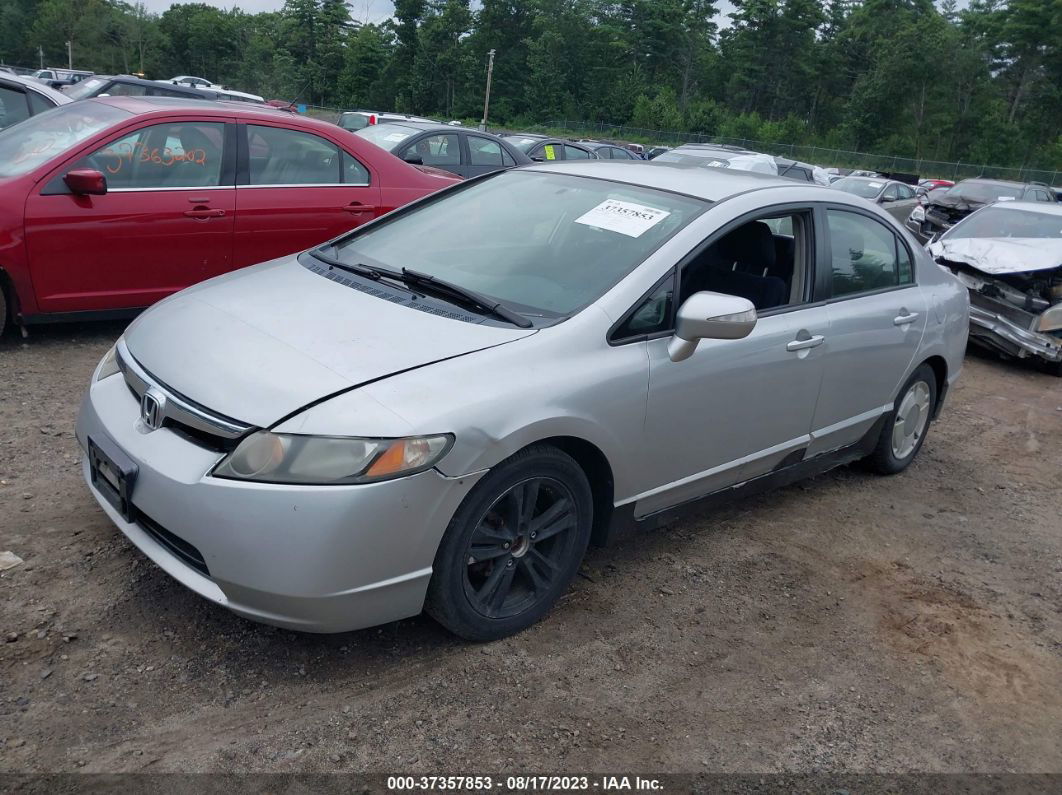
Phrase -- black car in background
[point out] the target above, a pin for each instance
(129, 86)
(543, 147)
(607, 151)
(656, 151)
(467, 153)
(943, 209)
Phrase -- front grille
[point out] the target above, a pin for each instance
(176, 546)
(181, 414)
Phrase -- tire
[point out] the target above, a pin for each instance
(907, 425)
(3, 308)
(502, 565)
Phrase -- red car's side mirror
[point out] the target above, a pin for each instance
(86, 182)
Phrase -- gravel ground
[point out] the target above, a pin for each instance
(849, 623)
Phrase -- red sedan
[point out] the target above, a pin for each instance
(111, 204)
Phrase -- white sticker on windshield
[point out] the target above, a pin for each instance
(1005, 198)
(627, 218)
(876, 184)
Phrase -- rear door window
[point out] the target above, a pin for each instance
(485, 152)
(279, 156)
(864, 255)
(575, 153)
(13, 107)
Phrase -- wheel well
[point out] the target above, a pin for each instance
(940, 370)
(598, 471)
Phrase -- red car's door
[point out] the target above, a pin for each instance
(295, 190)
(165, 222)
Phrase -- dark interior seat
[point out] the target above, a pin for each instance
(741, 263)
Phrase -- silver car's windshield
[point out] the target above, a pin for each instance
(998, 222)
(87, 88)
(868, 189)
(385, 135)
(523, 143)
(540, 242)
(26, 145)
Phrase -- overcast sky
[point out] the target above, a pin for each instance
(361, 10)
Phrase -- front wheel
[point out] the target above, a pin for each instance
(513, 546)
(907, 424)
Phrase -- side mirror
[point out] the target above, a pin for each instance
(413, 159)
(710, 316)
(538, 158)
(86, 182)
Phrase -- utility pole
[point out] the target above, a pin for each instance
(69, 55)
(486, 99)
(40, 53)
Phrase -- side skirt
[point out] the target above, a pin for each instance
(78, 317)
(787, 472)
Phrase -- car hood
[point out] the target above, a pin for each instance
(999, 255)
(958, 203)
(261, 343)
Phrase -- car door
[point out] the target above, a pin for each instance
(897, 200)
(295, 190)
(735, 409)
(165, 222)
(575, 153)
(877, 315)
(14, 105)
(485, 155)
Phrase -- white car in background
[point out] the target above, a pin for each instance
(190, 80)
(22, 97)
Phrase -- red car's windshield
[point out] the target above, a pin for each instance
(26, 145)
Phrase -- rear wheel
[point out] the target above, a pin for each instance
(513, 546)
(907, 424)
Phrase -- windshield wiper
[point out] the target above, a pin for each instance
(359, 270)
(463, 295)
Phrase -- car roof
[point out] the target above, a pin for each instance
(208, 107)
(989, 181)
(522, 135)
(414, 125)
(711, 184)
(1054, 208)
(869, 179)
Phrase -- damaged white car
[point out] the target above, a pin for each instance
(1009, 255)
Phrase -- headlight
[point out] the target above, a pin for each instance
(918, 214)
(108, 365)
(330, 460)
(1050, 319)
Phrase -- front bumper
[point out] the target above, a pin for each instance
(997, 332)
(310, 558)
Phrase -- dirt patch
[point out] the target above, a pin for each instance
(849, 623)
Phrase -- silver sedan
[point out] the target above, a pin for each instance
(440, 410)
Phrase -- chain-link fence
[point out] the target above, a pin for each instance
(817, 155)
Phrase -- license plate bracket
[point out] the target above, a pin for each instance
(113, 474)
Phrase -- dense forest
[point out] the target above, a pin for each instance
(981, 83)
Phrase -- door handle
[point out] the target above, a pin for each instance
(203, 212)
(810, 342)
(359, 208)
(903, 320)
